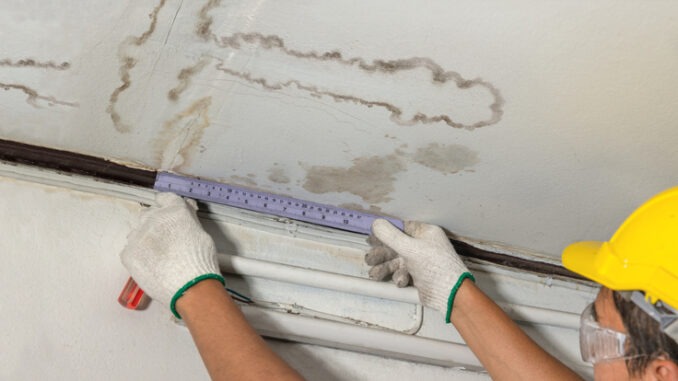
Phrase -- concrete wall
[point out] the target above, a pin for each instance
(533, 124)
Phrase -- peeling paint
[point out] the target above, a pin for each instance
(446, 159)
(127, 63)
(33, 96)
(31, 63)
(184, 78)
(182, 134)
(438, 76)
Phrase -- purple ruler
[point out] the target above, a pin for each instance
(288, 207)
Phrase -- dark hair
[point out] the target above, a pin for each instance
(646, 340)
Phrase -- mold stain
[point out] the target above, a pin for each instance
(31, 63)
(182, 134)
(32, 96)
(184, 78)
(438, 76)
(127, 63)
(370, 178)
(446, 159)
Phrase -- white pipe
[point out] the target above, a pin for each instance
(352, 337)
(384, 290)
(316, 278)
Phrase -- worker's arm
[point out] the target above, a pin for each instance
(230, 348)
(174, 261)
(501, 346)
(445, 284)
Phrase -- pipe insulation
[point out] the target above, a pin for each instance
(244, 266)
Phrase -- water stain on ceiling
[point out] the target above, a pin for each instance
(127, 63)
(244, 181)
(182, 134)
(278, 176)
(29, 62)
(446, 159)
(320, 85)
(32, 95)
(447, 95)
(184, 78)
(438, 75)
(204, 25)
(372, 177)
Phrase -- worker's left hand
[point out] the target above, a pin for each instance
(169, 251)
(423, 252)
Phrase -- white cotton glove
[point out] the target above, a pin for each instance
(169, 251)
(423, 251)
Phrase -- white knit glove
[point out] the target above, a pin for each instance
(423, 251)
(169, 251)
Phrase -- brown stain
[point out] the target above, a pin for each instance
(278, 176)
(197, 120)
(446, 159)
(245, 181)
(31, 63)
(437, 73)
(204, 26)
(33, 96)
(184, 78)
(127, 63)
(360, 208)
(370, 178)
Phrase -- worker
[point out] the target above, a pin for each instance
(627, 333)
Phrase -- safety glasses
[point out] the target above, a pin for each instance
(598, 344)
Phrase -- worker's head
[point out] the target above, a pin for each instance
(631, 333)
(625, 343)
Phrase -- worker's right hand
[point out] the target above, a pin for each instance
(169, 251)
(423, 251)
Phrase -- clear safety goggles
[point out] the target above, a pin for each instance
(598, 344)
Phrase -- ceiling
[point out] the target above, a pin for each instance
(531, 124)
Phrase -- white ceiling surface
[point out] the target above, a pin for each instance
(576, 102)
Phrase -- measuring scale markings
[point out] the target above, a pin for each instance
(269, 203)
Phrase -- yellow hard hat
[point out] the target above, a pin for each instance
(641, 256)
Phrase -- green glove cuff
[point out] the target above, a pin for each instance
(453, 293)
(190, 284)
